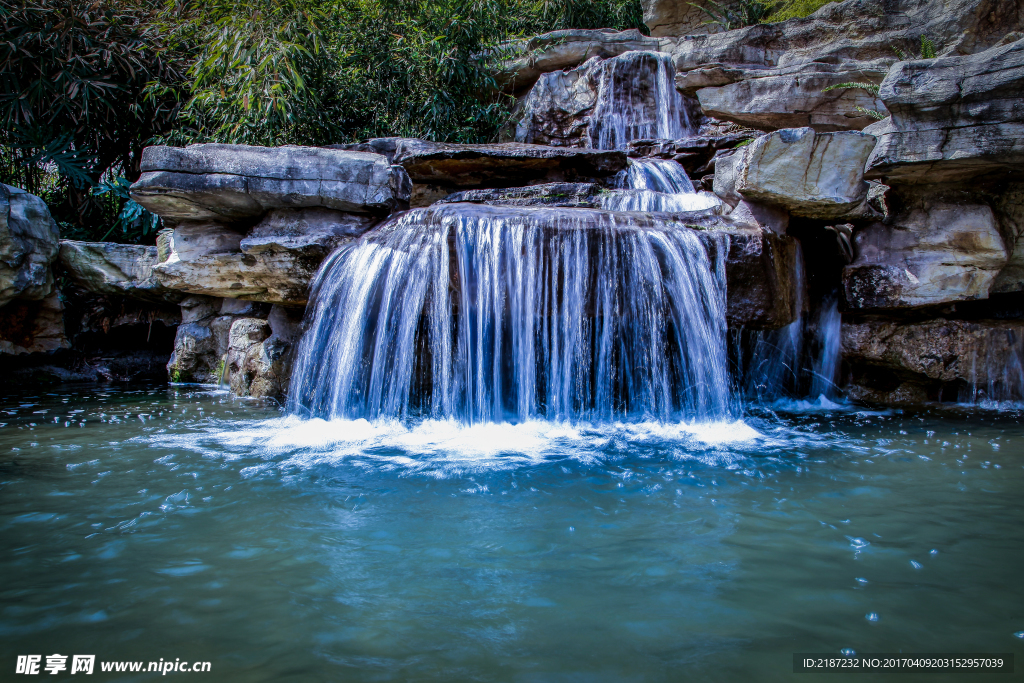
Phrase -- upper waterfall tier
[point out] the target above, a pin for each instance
(487, 314)
(605, 104)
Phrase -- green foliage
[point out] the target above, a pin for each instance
(927, 48)
(73, 82)
(873, 113)
(795, 9)
(136, 222)
(927, 51)
(870, 87)
(737, 14)
(85, 85)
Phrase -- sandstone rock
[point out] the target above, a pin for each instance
(239, 182)
(938, 359)
(937, 250)
(115, 269)
(811, 175)
(260, 353)
(274, 262)
(203, 339)
(33, 326)
(557, 109)
(503, 164)
(311, 233)
(772, 75)
(953, 118)
(789, 97)
(567, 49)
(547, 194)
(677, 18)
(28, 245)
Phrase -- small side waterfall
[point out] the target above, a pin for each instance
(496, 313)
(637, 99)
(656, 185)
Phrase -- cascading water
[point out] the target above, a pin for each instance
(656, 185)
(637, 99)
(487, 314)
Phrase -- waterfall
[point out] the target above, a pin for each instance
(637, 99)
(656, 185)
(486, 313)
(828, 335)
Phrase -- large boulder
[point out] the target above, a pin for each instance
(503, 164)
(28, 246)
(239, 183)
(937, 359)
(953, 118)
(566, 49)
(938, 249)
(115, 269)
(815, 175)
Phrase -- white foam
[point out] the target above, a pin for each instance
(447, 446)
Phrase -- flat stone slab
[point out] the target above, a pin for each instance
(239, 182)
(115, 269)
(506, 164)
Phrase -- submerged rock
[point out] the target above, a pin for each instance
(239, 182)
(28, 246)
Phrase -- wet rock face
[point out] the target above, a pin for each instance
(953, 118)
(203, 337)
(910, 362)
(814, 175)
(582, 195)
(231, 183)
(28, 246)
(606, 104)
(503, 164)
(760, 271)
(260, 353)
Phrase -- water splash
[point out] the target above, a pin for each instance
(637, 99)
(656, 185)
(492, 314)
